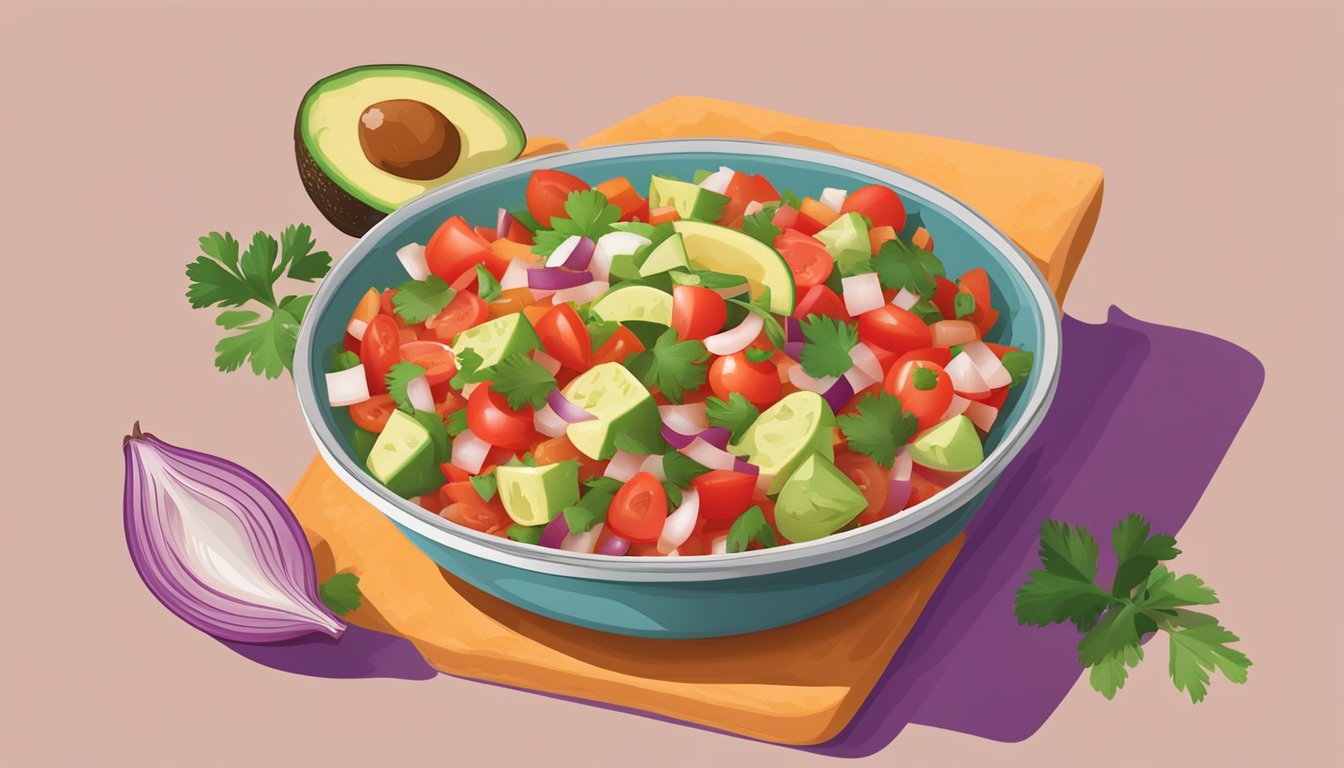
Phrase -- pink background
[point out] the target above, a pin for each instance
(131, 128)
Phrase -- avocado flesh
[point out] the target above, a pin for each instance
(535, 495)
(350, 191)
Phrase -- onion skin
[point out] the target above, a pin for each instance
(252, 510)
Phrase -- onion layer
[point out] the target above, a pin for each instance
(738, 338)
(862, 293)
(412, 258)
(571, 413)
(574, 253)
(555, 279)
(681, 523)
(469, 451)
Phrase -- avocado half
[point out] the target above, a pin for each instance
(370, 139)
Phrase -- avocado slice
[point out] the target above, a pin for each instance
(846, 239)
(535, 495)
(789, 431)
(496, 339)
(817, 500)
(691, 201)
(952, 446)
(635, 302)
(371, 138)
(669, 255)
(403, 457)
(726, 250)
(620, 405)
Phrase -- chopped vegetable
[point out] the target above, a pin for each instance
(418, 300)
(735, 413)
(880, 427)
(826, 346)
(751, 526)
(672, 366)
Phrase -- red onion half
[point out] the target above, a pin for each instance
(218, 546)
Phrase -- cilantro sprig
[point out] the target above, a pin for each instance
(826, 345)
(735, 414)
(748, 527)
(879, 428)
(398, 377)
(522, 381)
(221, 277)
(588, 213)
(900, 264)
(672, 366)
(1145, 597)
(418, 300)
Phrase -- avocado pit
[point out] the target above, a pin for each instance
(409, 138)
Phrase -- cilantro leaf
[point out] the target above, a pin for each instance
(546, 241)
(456, 422)
(581, 519)
(735, 414)
(522, 381)
(485, 485)
(760, 225)
(826, 346)
(1068, 551)
(528, 534)
(672, 366)
(468, 369)
(344, 362)
(789, 198)
(593, 505)
(214, 275)
(340, 593)
(634, 228)
(1199, 646)
(758, 355)
(268, 345)
(963, 304)
(601, 331)
(927, 311)
(760, 306)
(1018, 362)
(1108, 675)
(418, 300)
(299, 258)
(1165, 591)
(524, 217)
(257, 264)
(398, 377)
(590, 214)
(487, 287)
(1137, 553)
(680, 469)
(901, 265)
(236, 318)
(1064, 589)
(748, 527)
(879, 428)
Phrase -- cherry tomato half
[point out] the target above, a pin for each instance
(821, 300)
(478, 517)
(925, 395)
(639, 509)
(547, 191)
(808, 259)
(456, 248)
(697, 313)
(372, 414)
(622, 344)
(871, 479)
(379, 350)
(466, 310)
(880, 204)
(490, 418)
(724, 494)
(565, 337)
(758, 382)
(893, 328)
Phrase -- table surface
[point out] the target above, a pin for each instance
(133, 128)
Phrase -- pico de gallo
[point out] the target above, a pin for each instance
(705, 366)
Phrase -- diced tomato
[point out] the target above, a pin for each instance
(488, 234)
(453, 473)
(757, 382)
(821, 300)
(639, 509)
(429, 502)
(697, 313)
(921, 489)
(879, 235)
(564, 337)
(663, 215)
(621, 194)
(976, 283)
(808, 259)
(368, 307)
(945, 297)
(880, 204)
(519, 234)
(478, 517)
(466, 310)
(622, 344)
(439, 364)
(922, 239)
(724, 494)
(456, 248)
(547, 191)
(871, 479)
(743, 188)
(639, 214)
(817, 211)
(490, 418)
(996, 397)
(379, 350)
(372, 414)
(893, 328)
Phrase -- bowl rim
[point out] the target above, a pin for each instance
(759, 562)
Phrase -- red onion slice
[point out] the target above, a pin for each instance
(716, 436)
(503, 222)
(545, 361)
(553, 535)
(347, 387)
(469, 452)
(555, 279)
(653, 464)
(565, 409)
(862, 293)
(736, 339)
(864, 359)
(574, 253)
(688, 418)
(548, 423)
(840, 393)
(802, 380)
(417, 391)
(709, 455)
(681, 523)
(677, 439)
(794, 349)
(793, 329)
(902, 466)
(613, 545)
(746, 468)
(898, 495)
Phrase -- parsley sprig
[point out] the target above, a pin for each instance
(879, 428)
(221, 277)
(1145, 597)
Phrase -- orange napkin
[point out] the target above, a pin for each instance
(795, 685)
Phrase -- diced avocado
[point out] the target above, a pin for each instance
(534, 495)
(669, 255)
(846, 239)
(704, 278)
(789, 431)
(495, 339)
(403, 457)
(691, 201)
(625, 266)
(726, 250)
(635, 302)
(952, 446)
(438, 435)
(817, 500)
(620, 404)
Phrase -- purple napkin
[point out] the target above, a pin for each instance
(1107, 447)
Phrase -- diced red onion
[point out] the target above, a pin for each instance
(794, 349)
(958, 407)
(566, 409)
(503, 222)
(716, 436)
(719, 180)
(987, 364)
(623, 466)
(793, 329)
(611, 245)
(653, 464)
(862, 293)
(417, 391)
(802, 380)
(548, 423)
(412, 258)
(218, 546)
(582, 294)
(864, 359)
(898, 494)
(584, 542)
(709, 455)
(746, 468)
(902, 466)
(840, 393)
(679, 525)
(981, 415)
(738, 338)
(555, 279)
(515, 275)
(753, 207)
(613, 545)
(347, 387)
(575, 252)
(949, 333)
(966, 379)
(905, 298)
(733, 290)
(545, 361)
(469, 452)
(688, 418)
(553, 535)
(356, 328)
(833, 198)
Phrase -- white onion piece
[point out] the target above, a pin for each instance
(958, 407)
(581, 294)
(863, 358)
(862, 293)
(548, 422)
(981, 415)
(905, 298)
(575, 252)
(709, 455)
(584, 542)
(966, 380)
(987, 364)
(688, 419)
(357, 328)
(679, 525)
(859, 379)
(719, 546)
(545, 361)
(347, 387)
(719, 180)
(470, 387)
(623, 466)
(736, 339)
(417, 391)
(949, 333)
(902, 466)
(653, 464)
(611, 245)
(412, 258)
(515, 275)
(833, 198)
(469, 452)
(754, 206)
(801, 380)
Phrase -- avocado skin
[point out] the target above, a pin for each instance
(345, 212)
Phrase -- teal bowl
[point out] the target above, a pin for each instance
(711, 595)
